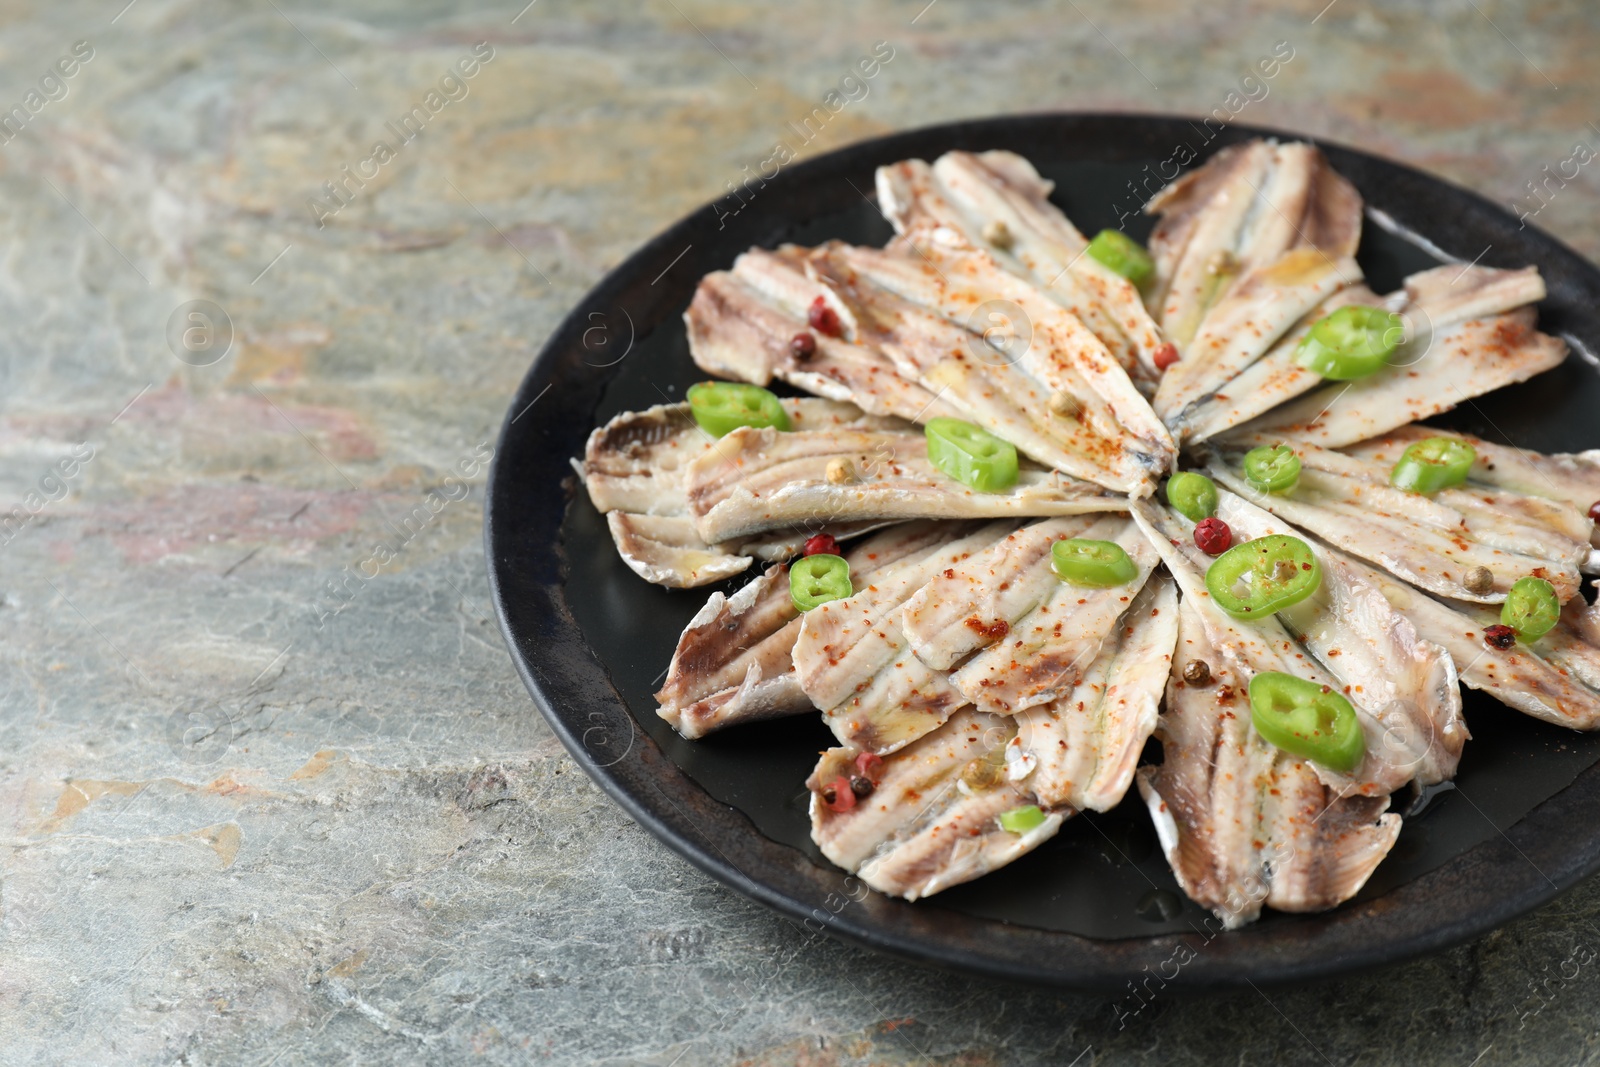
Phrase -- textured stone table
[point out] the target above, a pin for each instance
(271, 791)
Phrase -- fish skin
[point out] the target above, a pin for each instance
(1556, 679)
(919, 832)
(1413, 727)
(710, 686)
(734, 662)
(1250, 203)
(1087, 743)
(758, 479)
(1242, 823)
(665, 550)
(854, 662)
(633, 470)
(1569, 479)
(1046, 653)
(1433, 541)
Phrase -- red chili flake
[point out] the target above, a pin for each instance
(1499, 636)
(870, 764)
(823, 318)
(994, 631)
(1213, 537)
(838, 795)
(1165, 356)
(1594, 511)
(803, 345)
(821, 545)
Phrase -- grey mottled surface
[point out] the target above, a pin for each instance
(251, 820)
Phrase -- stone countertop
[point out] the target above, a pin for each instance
(274, 796)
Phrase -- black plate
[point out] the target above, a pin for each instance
(1097, 905)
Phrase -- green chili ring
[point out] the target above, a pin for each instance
(1353, 342)
(722, 407)
(1093, 564)
(815, 580)
(1123, 254)
(1531, 608)
(1021, 820)
(1307, 720)
(1272, 468)
(971, 455)
(1193, 495)
(1433, 464)
(1257, 578)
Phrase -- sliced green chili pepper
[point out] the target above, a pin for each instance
(971, 455)
(1531, 608)
(1306, 719)
(1353, 342)
(1021, 820)
(818, 579)
(1096, 564)
(1194, 495)
(1122, 254)
(722, 407)
(1272, 468)
(1433, 464)
(1257, 578)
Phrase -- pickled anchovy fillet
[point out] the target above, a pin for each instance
(1431, 373)
(1556, 678)
(1012, 360)
(741, 325)
(1080, 750)
(734, 662)
(914, 340)
(1346, 636)
(633, 469)
(1566, 478)
(1011, 632)
(758, 479)
(931, 821)
(997, 202)
(1241, 364)
(1433, 542)
(974, 603)
(1241, 327)
(1241, 211)
(1244, 824)
(853, 659)
(1273, 379)
(1431, 302)
(1045, 654)
(666, 550)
